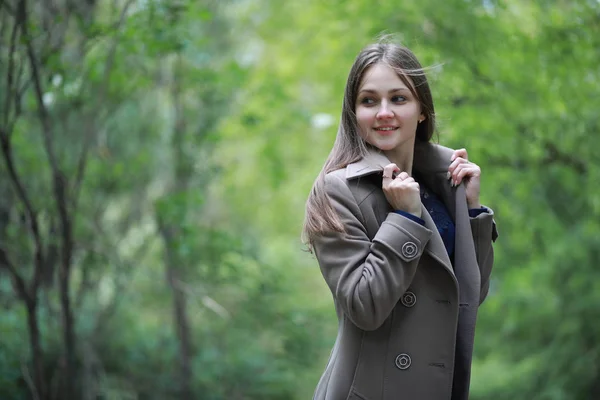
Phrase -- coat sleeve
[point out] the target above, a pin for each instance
(367, 278)
(485, 233)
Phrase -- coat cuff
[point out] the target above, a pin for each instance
(474, 212)
(484, 226)
(406, 238)
(410, 216)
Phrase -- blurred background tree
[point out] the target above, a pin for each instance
(156, 156)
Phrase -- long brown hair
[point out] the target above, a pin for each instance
(349, 146)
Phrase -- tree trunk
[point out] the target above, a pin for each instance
(169, 229)
(39, 382)
(69, 375)
(182, 327)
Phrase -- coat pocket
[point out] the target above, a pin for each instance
(354, 395)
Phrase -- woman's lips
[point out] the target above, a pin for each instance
(386, 130)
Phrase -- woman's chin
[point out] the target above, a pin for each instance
(385, 146)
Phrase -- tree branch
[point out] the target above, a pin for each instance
(9, 75)
(90, 132)
(18, 281)
(2, 21)
(58, 178)
(555, 155)
(29, 380)
(24, 198)
(59, 186)
(4, 4)
(19, 95)
(42, 110)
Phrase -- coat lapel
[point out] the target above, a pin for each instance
(469, 280)
(372, 163)
(431, 164)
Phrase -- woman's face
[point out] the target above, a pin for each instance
(386, 111)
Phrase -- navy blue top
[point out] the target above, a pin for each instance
(441, 217)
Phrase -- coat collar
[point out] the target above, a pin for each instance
(428, 158)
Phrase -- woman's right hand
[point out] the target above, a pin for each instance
(402, 192)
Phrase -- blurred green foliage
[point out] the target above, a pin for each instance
(207, 123)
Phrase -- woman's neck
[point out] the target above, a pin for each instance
(402, 156)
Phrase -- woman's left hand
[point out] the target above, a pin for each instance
(462, 170)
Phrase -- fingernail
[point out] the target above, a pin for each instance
(448, 175)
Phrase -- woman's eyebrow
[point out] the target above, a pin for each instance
(389, 91)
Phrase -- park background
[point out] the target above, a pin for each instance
(157, 155)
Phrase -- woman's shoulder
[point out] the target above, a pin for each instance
(335, 181)
(339, 173)
(342, 186)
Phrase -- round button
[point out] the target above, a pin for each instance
(409, 250)
(408, 299)
(403, 361)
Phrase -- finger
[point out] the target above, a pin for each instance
(467, 172)
(459, 153)
(455, 163)
(415, 186)
(461, 166)
(455, 172)
(403, 176)
(388, 173)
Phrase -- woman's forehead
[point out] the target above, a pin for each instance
(382, 77)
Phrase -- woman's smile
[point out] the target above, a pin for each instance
(386, 130)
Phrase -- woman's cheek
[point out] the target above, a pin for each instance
(364, 118)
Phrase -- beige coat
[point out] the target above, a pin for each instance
(406, 314)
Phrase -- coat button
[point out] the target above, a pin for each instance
(403, 361)
(409, 250)
(408, 299)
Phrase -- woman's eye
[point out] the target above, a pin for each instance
(398, 99)
(367, 101)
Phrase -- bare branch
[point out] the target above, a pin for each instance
(43, 111)
(18, 281)
(29, 380)
(23, 197)
(19, 93)
(4, 4)
(3, 16)
(205, 299)
(9, 75)
(84, 286)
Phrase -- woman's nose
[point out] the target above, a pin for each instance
(384, 111)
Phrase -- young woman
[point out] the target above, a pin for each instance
(401, 239)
